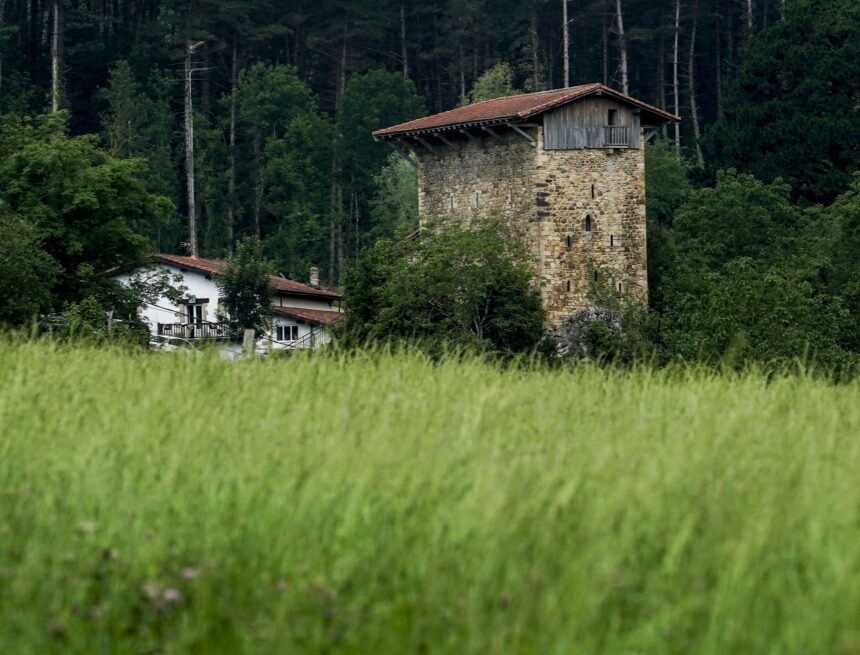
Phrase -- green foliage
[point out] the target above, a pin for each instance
(86, 207)
(746, 284)
(286, 186)
(792, 108)
(739, 217)
(666, 181)
(298, 201)
(139, 123)
(246, 290)
(88, 321)
(844, 218)
(27, 273)
(496, 82)
(393, 505)
(394, 207)
(466, 288)
(745, 313)
(371, 101)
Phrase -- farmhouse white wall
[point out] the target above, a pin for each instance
(202, 286)
(198, 286)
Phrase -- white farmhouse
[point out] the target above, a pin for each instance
(302, 313)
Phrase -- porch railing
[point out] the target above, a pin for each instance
(203, 330)
(616, 135)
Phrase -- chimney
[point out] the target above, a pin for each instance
(315, 277)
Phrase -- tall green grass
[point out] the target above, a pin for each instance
(182, 504)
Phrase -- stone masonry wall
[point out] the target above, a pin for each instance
(549, 194)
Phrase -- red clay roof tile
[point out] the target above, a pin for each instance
(215, 266)
(517, 107)
(321, 316)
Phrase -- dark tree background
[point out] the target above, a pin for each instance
(285, 92)
(751, 206)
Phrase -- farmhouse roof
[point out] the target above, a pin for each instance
(318, 316)
(518, 108)
(281, 285)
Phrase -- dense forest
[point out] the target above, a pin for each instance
(282, 97)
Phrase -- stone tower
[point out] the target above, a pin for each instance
(567, 166)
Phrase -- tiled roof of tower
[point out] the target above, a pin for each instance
(514, 108)
(215, 266)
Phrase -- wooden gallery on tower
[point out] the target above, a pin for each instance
(568, 167)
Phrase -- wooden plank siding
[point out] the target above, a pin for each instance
(583, 124)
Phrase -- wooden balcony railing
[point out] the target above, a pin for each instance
(616, 135)
(202, 330)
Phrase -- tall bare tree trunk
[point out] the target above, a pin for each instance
(691, 78)
(404, 55)
(2, 14)
(661, 76)
(55, 59)
(339, 239)
(260, 191)
(341, 78)
(605, 47)
(566, 39)
(675, 89)
(718, 64)
(462, 71)
(749, 17)
(535, 46)
(622, 47)
(189, 151)
(231, 175)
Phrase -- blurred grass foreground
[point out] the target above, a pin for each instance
(387, 504)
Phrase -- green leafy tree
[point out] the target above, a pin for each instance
(89, 320)
(844, 219)
(496, 82)
(666, 181)
(27, 273)
(371, 101)
(286, 179)
(467, 288)
(139, 123)
(298, 170)
(792, 109)
(667, 187)
(87, 208)
(246, 289)
(746, 284)
(739, 217)
(742, 314)
(394, 206)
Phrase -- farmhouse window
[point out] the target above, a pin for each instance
(287, 332)
(569, 241)
(588, 223)
(610, 119)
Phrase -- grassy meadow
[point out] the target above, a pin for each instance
(386, 505)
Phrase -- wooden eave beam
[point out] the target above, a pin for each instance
(525, 134)
(468, 135)
(424, 143)
(492, 133)
(445, 140)
(398, 148)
